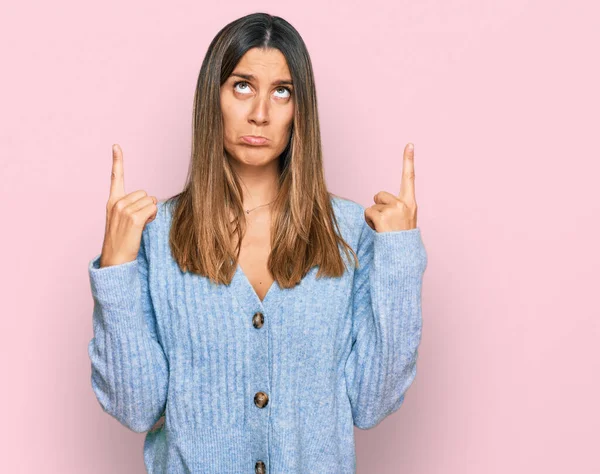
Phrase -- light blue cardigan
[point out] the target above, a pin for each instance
(330, 354)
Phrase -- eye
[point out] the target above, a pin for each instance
(286, 89)
(245, 83)
(240, 82)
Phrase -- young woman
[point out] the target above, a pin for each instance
(250, 321)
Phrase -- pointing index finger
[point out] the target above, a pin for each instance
(407, 187)
(117, 185)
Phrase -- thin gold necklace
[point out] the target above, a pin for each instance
(248, 211)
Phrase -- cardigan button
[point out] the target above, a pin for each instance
(257, 320)
(261, 399)
(260, 468)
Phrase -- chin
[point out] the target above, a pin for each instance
(257, 156)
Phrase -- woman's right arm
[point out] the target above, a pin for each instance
(130, 371)
(129, 368)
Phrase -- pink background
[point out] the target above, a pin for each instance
(501, 101)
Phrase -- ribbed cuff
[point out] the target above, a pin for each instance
(402, 247)
(116, 289)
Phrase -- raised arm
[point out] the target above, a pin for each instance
(129, 368)
(386, 323)
(386, 303)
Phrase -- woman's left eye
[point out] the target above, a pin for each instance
(246, 84)
(286, 89)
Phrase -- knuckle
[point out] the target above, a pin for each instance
(134, 218)
(119, 206)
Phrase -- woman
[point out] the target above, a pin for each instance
(227, 323)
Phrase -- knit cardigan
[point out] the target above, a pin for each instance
(245, 385)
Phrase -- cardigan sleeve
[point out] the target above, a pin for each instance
(129, 367)
(387, 322)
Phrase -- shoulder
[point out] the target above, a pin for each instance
(161, 223)
(164, 213)
(347, 209)
(350, 216)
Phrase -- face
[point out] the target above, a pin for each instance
(257, 99)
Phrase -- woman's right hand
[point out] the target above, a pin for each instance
(126, 217)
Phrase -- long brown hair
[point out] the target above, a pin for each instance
(304, 229)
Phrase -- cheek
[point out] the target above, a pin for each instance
(229, 123)
(286, 122)
(234, 114)
(228, 111)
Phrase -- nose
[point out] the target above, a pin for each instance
(259, 114)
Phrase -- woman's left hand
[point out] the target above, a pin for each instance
(393, 213)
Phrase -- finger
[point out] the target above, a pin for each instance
(369, 217)
(151, 218)
(139, 203)
(407, 187)
(383, 197)
(149, 212)
(373, 215)
(145, 209)
(131, 202)
(126, 201)
(117, 185)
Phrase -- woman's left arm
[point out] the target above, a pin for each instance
(386, 323)
(386, 305)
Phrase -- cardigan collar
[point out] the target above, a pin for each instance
(247, 297)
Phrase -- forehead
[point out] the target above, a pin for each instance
(263, 63)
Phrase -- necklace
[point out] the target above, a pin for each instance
(248, 211)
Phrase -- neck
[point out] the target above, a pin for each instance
(259, 183)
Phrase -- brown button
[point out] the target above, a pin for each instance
(260, 468)
(257, 320)
(261, 399)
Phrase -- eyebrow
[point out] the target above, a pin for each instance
(251, 77)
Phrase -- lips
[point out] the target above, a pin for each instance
(254, 140)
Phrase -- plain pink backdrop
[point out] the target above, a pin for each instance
(501, 101)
